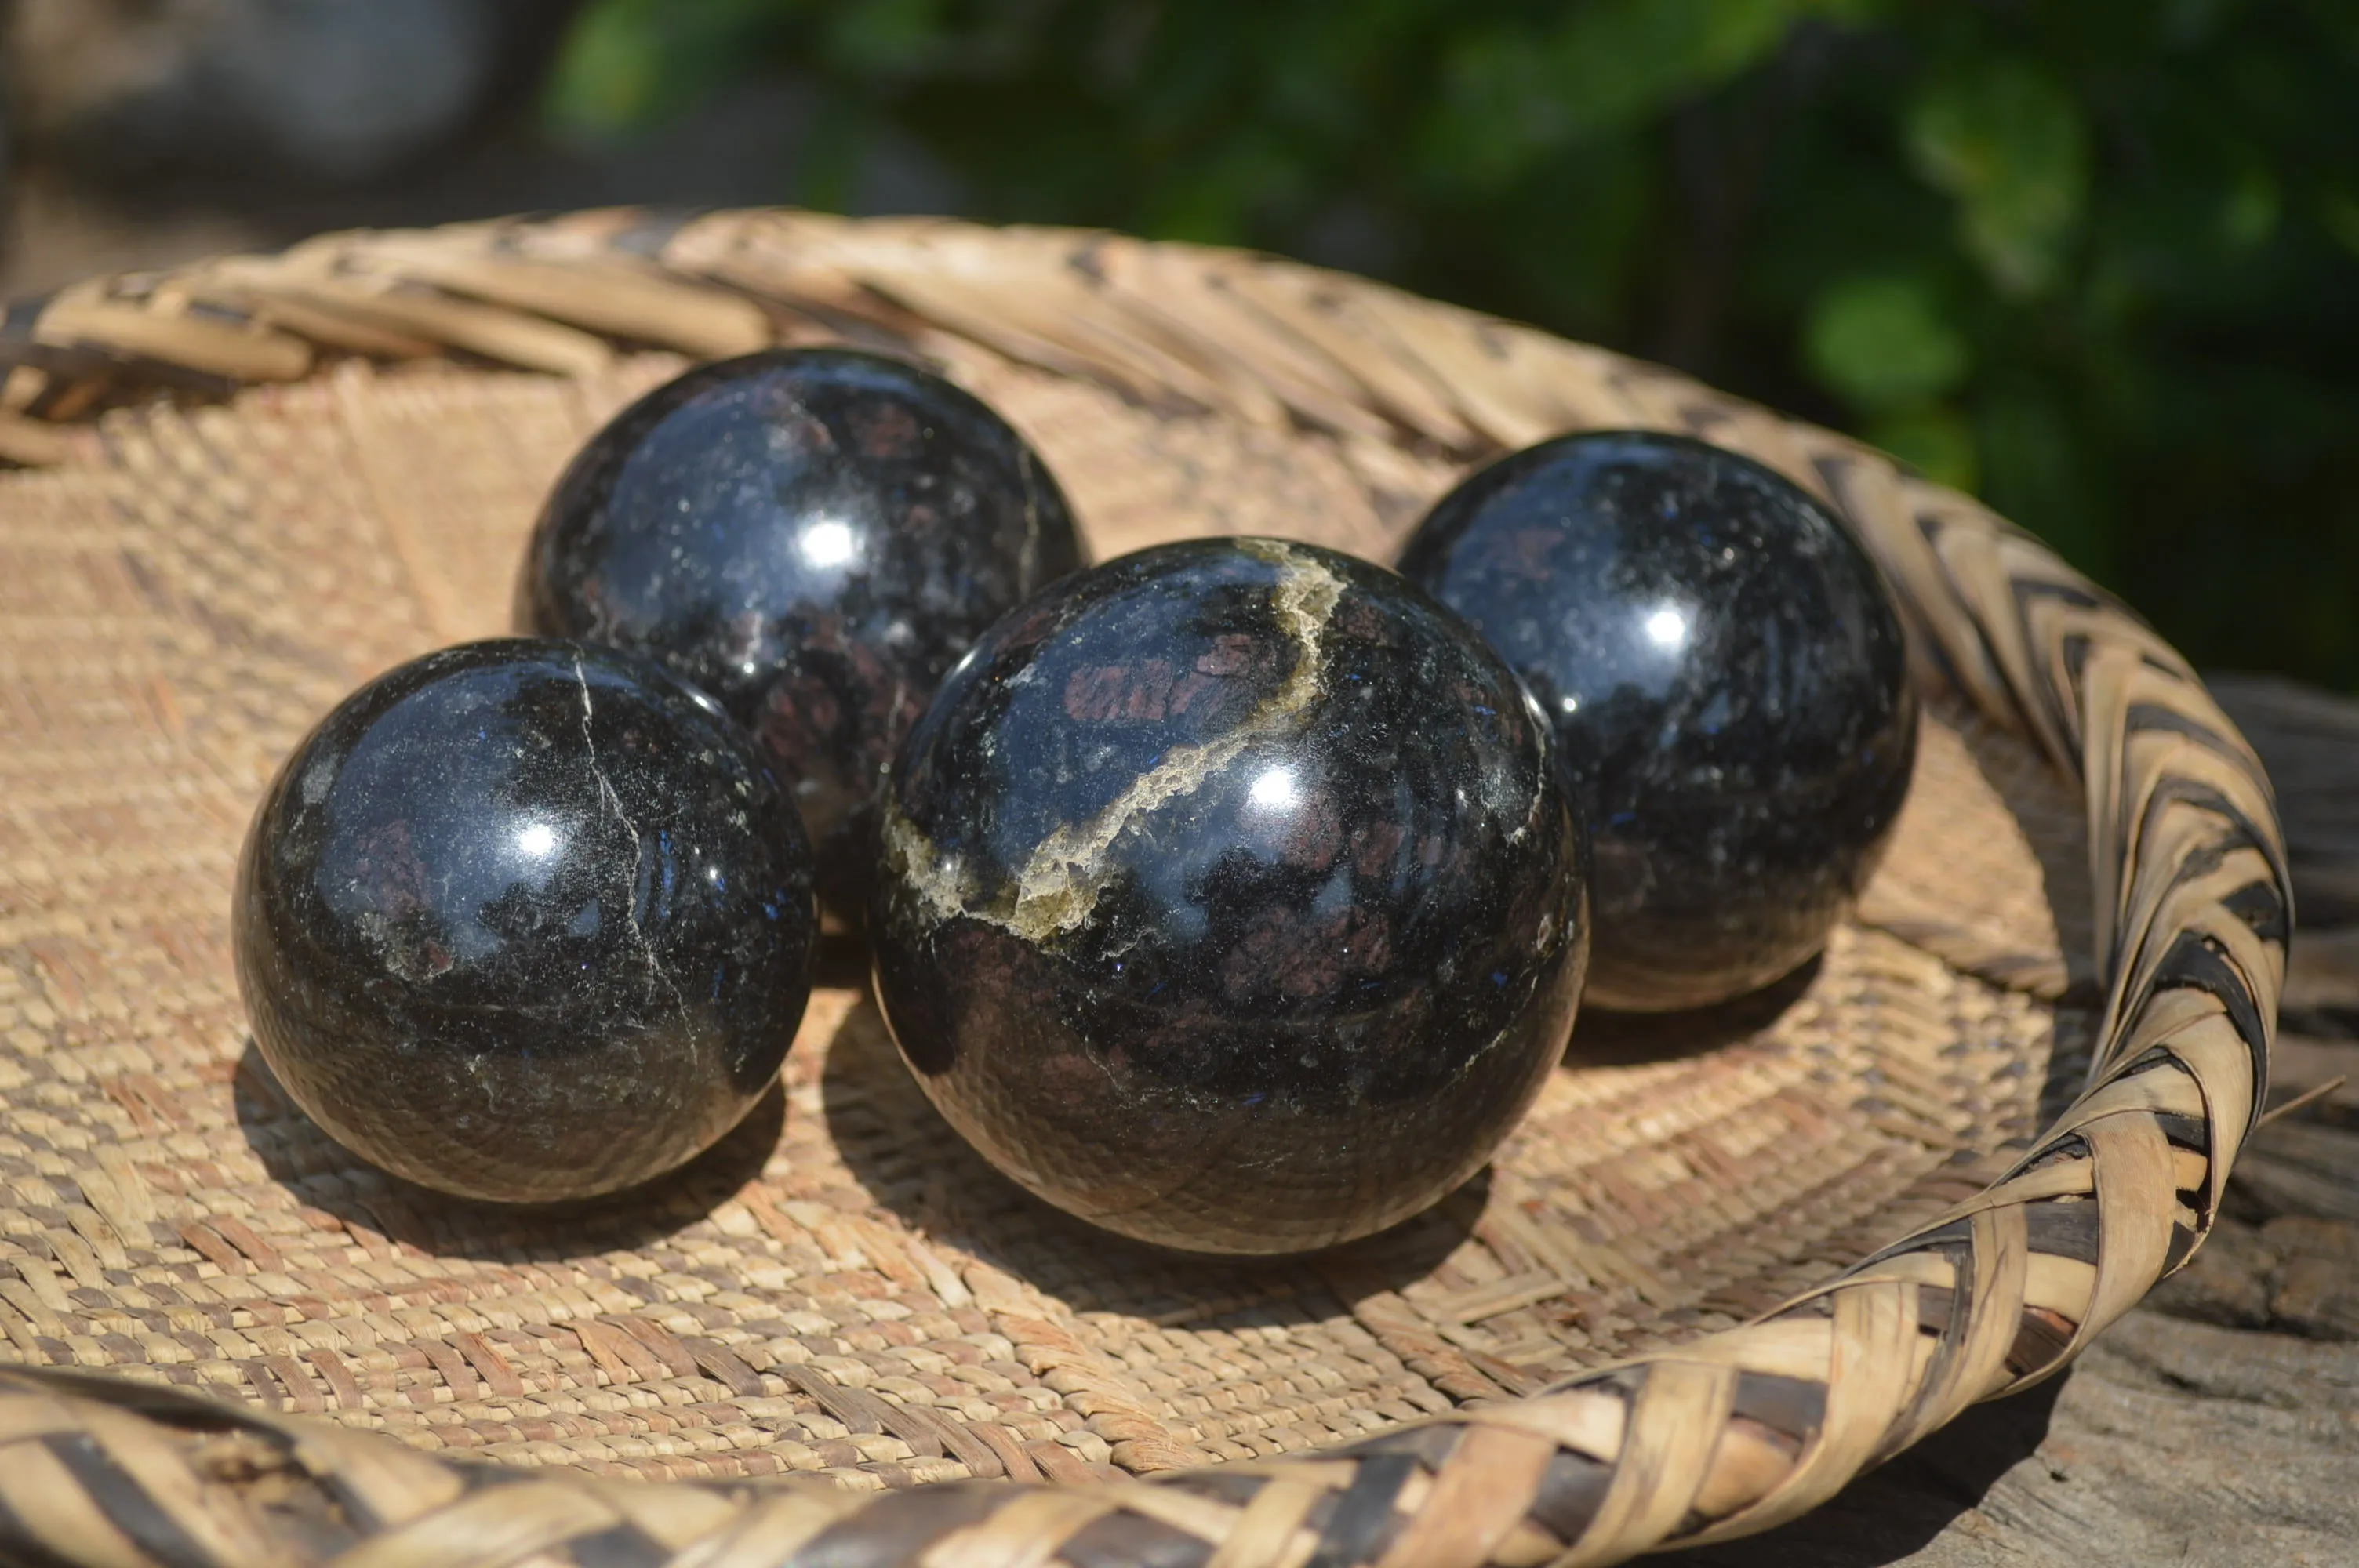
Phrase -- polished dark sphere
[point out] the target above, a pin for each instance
(525, 920)
(1728, 681)
(1232, 900)
(812, 536)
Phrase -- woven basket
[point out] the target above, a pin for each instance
(1726, 1264)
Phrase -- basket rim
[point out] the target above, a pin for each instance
(1708, 1440)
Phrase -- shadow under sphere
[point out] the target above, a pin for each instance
(323, 1174)
(913, 1164)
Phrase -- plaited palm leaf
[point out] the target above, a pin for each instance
(1710, 1279)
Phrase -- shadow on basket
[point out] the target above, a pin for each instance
(320, 1173)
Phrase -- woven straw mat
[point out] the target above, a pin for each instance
(1725, 1264)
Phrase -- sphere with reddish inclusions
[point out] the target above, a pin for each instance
(1230, 899)
(812, 536)
(525, 920)
(1729, 685)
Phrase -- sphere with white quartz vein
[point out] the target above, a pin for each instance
(525, 920)
(1231, 898)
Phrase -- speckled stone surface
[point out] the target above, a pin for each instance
(1232, 899)
(812, 536)
(525, 920)
(1728, 681)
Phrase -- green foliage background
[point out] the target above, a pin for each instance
(2095, 260)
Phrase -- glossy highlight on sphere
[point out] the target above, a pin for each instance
(525, 920)
(1232, 900)
(1729, 686)
(812, 536)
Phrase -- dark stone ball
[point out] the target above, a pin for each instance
(525, 920)
(1728, 681)
(1231, 898)
(812, 536)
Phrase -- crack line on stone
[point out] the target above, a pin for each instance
(608, 799)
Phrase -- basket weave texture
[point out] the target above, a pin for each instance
(1726, 1264)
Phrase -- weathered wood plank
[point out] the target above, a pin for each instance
(2231, 1441)
(2218, 1425)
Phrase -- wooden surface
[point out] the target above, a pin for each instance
(2217, 1425)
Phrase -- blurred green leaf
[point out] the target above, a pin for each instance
(625, 64)
(2338, 213)
(1881, 342)
(2005, 140)
(2098, 261)
(2032, 472)
(886, 36)
(1509, 93)
(2248, 213)
(1937, 442)
(1500, 106)
(1618, 59)
(1215, 204)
